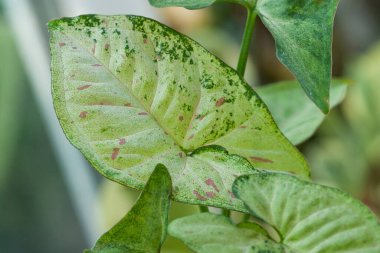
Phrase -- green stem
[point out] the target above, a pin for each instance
(226, 213)
(247, 38)
(203, 209)
(246, 217)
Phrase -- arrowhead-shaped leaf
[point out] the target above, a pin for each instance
(206, 232)
(131, 93)
(143, 229)
(309, 217)
(302, 30)
(296, 116)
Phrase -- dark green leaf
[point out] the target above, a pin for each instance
(131, 93)
(297, 117)
(308, 217)
(302, 30)
(143, 229)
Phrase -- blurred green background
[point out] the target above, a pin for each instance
(52, 201)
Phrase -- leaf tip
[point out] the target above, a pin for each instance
(324, 105)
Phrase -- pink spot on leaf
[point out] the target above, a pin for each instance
(83, 114)
(84, 87)
(180, 154)
(115, 153)
(220, 102)
(103, 103)
(142, 113)
(122, 141)
(211, 183)
(199, 196)
(260, 159)
(107, 46)
(190, 137)
(128, 104)
(243, 126)
(145, 41)
(62, 44)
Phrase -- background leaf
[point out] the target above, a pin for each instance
(131, 93)
(347, 151)
(302, 30)
(206, 232)
(309, 217)
(297, 117)
(189, 4)
(143, 229)
(11, 96)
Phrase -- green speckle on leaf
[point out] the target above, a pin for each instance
(162, 104)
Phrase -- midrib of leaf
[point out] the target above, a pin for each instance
(187, 152)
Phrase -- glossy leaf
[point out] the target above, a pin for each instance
(309, 217)
(143, 229)
(131, 93)
(302, 30)
(296, 116)
(206, 232)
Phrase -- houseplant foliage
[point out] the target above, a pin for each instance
(169, 101)
(306, 216)
(131, 93)
(143, 229)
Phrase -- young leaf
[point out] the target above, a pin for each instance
(189, 4)
(309, 217)
(143, 229)
(302, 30)
(131, 93)
(206, 232)
(297, 117)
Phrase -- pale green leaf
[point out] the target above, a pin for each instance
(302, 30)
(206, 233)
(308, 217)
(189, 4)
(197, 4)
(143, 229)
(296, 116)
(131, 93)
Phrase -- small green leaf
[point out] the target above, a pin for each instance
(143, 229)
(206, 232)
(131, 93)
(308, 217)
(302, 30)
(297, 117)
(189, 4)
